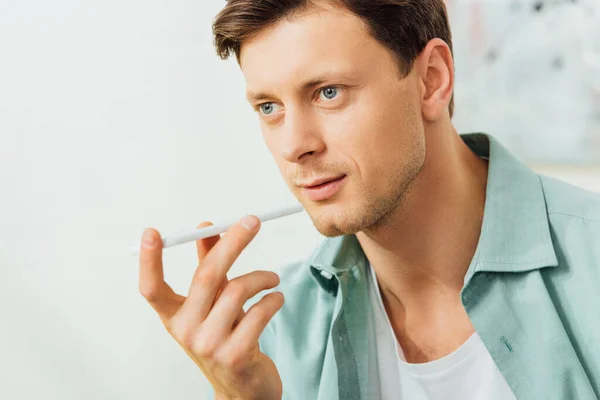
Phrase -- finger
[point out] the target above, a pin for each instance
(241, 313)
(203, 246)
(239, 317)
(245, 336)
(226, 309)
(151, 277)
(209, 276)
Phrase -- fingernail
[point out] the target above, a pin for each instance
(250, 222)
(148, 238)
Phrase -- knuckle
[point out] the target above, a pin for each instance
(203, 348)
(235, 291)
(182, 333)
(206, 276)
(233, 360)
(149, 292)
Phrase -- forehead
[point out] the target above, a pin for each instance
(314, 43)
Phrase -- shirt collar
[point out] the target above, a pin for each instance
(338, 254)
(515, 234)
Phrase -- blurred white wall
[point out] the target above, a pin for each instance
(116, 116)
(529, 71)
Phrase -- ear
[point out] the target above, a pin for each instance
(435, 67)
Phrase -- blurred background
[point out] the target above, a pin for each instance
(529, 71)
(118, 115)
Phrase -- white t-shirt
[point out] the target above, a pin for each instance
(468, 373)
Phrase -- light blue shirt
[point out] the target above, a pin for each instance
(532, 292)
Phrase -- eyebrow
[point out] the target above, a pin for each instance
(257, 96)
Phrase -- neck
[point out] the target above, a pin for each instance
(423, 250)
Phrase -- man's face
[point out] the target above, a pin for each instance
(358, 120)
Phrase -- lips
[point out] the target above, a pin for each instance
(324, 190)
(316, 186)
(320, 181)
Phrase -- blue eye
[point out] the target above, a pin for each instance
(266, 108)
(330, 92)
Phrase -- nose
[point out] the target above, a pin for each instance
(301, 137)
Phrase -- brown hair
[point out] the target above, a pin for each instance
(403, 26)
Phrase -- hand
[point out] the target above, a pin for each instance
(210, 324)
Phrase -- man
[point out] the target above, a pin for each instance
(450, 271)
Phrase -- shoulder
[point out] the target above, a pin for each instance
(574, 219)
(568, 202)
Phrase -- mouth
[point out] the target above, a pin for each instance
(324, 190)
(319, 181)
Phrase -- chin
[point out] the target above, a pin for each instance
(330, 230)
(348, 218)
(337, 221)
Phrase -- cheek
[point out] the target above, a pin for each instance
(386, 141)
(357, 129)
(377, 134)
